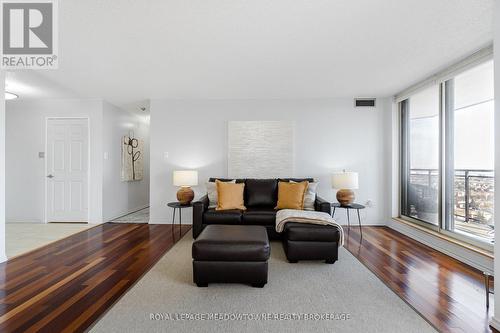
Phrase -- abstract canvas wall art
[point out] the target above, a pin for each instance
(260, 149)
(132, 159)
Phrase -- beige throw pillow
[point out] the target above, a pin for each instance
(212, 193)
(291, 195)
(230, 196)
(310, 196)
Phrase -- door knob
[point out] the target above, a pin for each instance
(50, 176)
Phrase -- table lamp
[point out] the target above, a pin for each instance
(185, 179)
(345, 182)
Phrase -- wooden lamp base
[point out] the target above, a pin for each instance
(185, 195)
(345, 197)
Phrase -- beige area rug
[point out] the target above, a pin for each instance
(354, 298)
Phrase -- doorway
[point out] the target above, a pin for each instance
(67, 170)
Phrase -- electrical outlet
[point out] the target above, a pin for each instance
(369, 204)
(165, 155)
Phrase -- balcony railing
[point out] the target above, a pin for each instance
(473, 194)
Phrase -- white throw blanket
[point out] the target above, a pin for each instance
(305, 216)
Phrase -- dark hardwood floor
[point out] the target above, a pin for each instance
(447, 293)
(65, 286)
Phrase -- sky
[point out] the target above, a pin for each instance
(473, 123)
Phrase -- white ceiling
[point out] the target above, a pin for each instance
(127, 51)
(29, 84)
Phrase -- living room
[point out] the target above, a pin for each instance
(249, 166)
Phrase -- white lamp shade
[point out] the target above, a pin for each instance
(185, 178)
(345, 180)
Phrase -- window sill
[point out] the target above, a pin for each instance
(476, 249)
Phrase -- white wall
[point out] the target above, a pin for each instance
(120, 198)
(330, 135)
(3, 256)
(496, 319)
(25, 171)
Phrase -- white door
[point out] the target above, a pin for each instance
(67, 170)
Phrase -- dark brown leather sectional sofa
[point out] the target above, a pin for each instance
(235, 246)
(261, 196)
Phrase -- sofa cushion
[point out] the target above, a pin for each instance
(212, 216)
(311, 232)
(259, 216)
(232, 243)
(261, 192)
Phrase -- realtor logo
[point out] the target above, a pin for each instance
(29, 34)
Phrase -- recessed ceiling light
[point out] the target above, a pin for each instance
(9, 96)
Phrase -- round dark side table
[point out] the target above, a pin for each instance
(354, 206)
(177, 205)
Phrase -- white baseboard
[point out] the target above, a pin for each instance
(462, 254)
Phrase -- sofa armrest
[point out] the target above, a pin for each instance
(199, 207)
(321, 205)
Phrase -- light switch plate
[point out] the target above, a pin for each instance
(41, 154)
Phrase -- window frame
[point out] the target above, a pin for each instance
(446, 159)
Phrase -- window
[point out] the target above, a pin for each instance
(447, 155)
(421, 147)
(470, 117)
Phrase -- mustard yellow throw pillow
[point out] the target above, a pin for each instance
(230, 196)
(291, 195)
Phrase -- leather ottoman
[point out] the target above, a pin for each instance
(303, 241)
(231, 254)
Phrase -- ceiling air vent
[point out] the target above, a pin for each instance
(364, 102)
